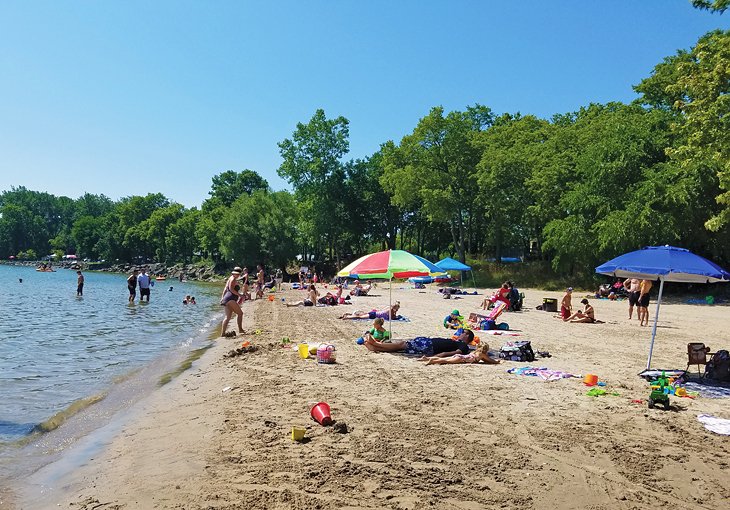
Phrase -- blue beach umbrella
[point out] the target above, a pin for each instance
(669, 264)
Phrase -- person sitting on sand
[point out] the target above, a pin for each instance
(372, 314)
(360, 289)
(586, 316)
(310, 300)
(454, 320)
(424, 346)
(378, 332)
(480, 354)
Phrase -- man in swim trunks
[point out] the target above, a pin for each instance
(632, 286)
(423, 346)
(565, 305)
(642, 304)
(143, 280)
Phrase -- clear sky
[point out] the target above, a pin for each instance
(131, 97)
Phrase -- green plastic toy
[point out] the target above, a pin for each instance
(658, 394)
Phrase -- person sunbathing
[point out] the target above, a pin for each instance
(585, 316)
(502, 294)
(422, 345)
(480, 354)
(373, 314)
(310, 300)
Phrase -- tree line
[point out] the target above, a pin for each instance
(575, 189)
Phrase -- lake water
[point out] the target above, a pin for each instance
(59, 352)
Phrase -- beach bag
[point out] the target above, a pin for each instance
(718, 368)
(487, 324)
(517, 351)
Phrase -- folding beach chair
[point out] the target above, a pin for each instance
(697, 354)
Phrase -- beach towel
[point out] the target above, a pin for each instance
(500, 332)
(543, 373)
(708, 390)
(715, 424)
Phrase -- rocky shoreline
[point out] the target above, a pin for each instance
(192, 272)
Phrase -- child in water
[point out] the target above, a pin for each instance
(480, 354)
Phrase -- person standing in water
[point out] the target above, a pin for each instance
(144, 285)
(132, 285)
(79, 284)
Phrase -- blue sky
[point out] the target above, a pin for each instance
(126, 98)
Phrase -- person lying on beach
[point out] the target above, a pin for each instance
(454, 320)
(310, 300)
(373, 314)
(424, 346)
(480, 354)
(229, 300)
(586, 316)
(378, 332)
(330, 299)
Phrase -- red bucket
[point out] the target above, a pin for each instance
(321, 413)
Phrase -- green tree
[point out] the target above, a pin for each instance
(312, 165)
(712, 5)
(436, 167)
(228, 186)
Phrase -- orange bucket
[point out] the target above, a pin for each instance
(590, 380)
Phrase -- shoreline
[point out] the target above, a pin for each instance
(61, 442)
(446, 436)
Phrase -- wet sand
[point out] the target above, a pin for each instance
(461, 437)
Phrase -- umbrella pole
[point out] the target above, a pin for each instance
(390, 308)
(656, 320)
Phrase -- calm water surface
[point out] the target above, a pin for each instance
(56, 349)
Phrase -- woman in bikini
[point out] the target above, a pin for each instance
(310, 300)
(586, 316)
(480, 354)
(229, 299)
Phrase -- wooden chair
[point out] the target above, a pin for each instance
(698, 354)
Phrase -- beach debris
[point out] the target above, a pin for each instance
(230, 334)
(340, 427)
(241, 350)
(270, 424)
(227, 388)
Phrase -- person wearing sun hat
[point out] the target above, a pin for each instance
(229, 299)
(454, 320)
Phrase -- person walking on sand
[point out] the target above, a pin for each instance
(259, 282)
(632, 286)
(229, 299)
(642, 305)
(79, 284)
(143, 280)
(132, 285)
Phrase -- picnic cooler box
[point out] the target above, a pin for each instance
(549, 304)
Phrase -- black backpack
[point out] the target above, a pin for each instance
(517, 351)
(718, 368)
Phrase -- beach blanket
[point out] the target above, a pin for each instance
(499, 332)
(715, 424)
(709, 390)
(543, 373)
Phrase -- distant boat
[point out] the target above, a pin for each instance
(160, 278)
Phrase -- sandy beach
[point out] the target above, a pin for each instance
(447, 437)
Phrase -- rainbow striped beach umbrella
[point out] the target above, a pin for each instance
(390, 264)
